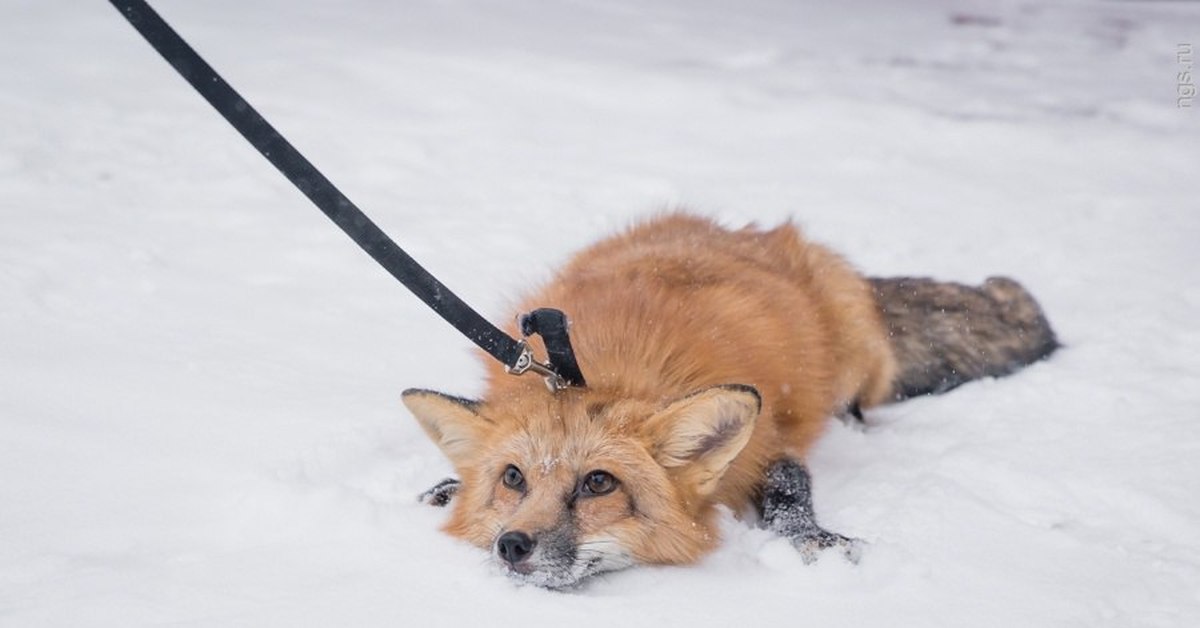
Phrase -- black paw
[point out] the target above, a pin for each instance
(441, 493)
(786, 508)
(811, 544)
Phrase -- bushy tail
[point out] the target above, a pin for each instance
(946, 334)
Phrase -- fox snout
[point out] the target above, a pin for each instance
(552, 558)
(514, 547)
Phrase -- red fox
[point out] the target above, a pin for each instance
(713, 358)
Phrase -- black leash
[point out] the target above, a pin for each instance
(516, 355)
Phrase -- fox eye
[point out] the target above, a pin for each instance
(513, 479)
(599, 483)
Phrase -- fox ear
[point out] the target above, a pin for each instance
(697, 437)
(453, 423)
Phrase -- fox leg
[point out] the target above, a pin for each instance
(945, 334)
(787, 510)
(441, 493)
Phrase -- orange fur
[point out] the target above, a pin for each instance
(671, 307)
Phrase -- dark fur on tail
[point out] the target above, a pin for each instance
(946, 334)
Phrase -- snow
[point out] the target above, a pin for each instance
(199, 376)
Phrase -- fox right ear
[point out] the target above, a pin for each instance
(452, 423)
(699, 436)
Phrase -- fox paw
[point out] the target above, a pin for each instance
(441, 493)
(811, 545)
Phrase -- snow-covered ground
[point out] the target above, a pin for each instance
(199, 376)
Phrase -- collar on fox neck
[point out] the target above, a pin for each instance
(561, 370)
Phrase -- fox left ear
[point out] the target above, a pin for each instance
(454, 424)
(700, 435)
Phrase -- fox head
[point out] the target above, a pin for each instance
(561, 486)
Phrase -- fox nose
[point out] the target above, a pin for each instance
(514, 547)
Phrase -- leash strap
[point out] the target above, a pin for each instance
(514, 354)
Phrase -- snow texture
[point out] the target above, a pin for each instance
(199, 376)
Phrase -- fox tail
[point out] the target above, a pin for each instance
(946, 334)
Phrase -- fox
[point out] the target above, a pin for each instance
(714, 360)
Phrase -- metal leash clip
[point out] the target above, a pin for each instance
(526, 362)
